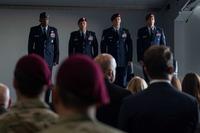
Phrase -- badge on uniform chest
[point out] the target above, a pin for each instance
(52, 34)
(90, 38)
(124, 35)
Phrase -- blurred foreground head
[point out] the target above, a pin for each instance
(80, 83)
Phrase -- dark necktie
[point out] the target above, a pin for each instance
(117, 34)
(44, 33)
(152, 34)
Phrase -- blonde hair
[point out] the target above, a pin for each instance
(137, 84)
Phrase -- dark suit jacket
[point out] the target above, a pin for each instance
(159, 109)
(38, 44)
(118, 45)
(86, 45)
(109, 113)
(145, 40)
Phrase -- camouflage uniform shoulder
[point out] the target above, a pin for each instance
(24, 120)
(86, 126)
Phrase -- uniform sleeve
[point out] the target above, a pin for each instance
(31, 42)
(70, 46)
(56, 48)
(130, 46)
(95, 45)
(103, 43)
(162, 41)
(139, 46)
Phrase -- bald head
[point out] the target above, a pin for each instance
(4, 96)
(108, 65)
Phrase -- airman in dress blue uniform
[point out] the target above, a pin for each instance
(43, 40)
(147, 36)
(83, 41)
(117, 42)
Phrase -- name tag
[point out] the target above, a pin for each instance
(53, 35)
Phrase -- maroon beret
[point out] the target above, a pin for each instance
(81, 76)
(34, 68)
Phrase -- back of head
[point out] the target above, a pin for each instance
(108, 64)
(31, 74)
(158, 62)
(80, 83)
(136, 84)
(4, 96)
(191, 85)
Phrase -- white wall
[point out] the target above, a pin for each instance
(187, 45)
(16, 22)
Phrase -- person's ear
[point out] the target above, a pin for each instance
(15, 84)
(55, 95)
(170, 69)
(9, 103)
(111, 75)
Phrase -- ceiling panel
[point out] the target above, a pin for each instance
(89, 3)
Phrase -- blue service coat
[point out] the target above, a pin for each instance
(145, 40)
(85, 45)
(45, 46)
(119, 45)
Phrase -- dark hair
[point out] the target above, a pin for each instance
(114, 16)
(191, 85)
(149, 15)
(157, 60)
(80, 82)
(82, 19)
(31, 74)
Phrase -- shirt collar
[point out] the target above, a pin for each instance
(149, 28)
(116, 28)
(82, 32)
(159, 81)
(44, 27)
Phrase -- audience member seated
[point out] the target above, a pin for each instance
(109, 113)
(79, 89)
(136, 84)
(160, 108)
(5, 100)
(30, 114)
(176, 83)
(191, 85)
